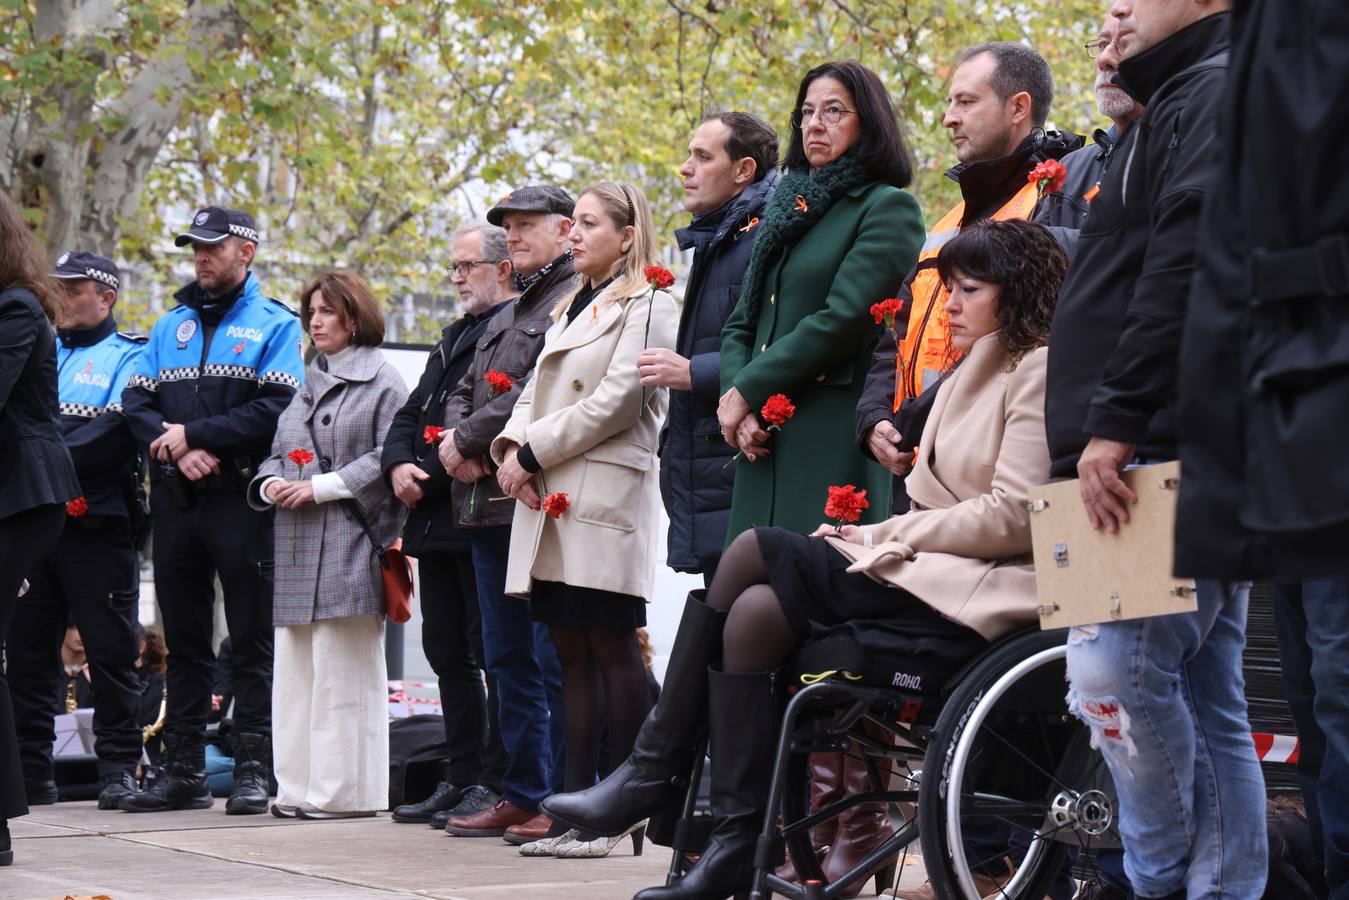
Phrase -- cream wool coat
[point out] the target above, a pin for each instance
(964, 548)
(579, 415)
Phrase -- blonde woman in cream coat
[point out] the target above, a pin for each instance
(585, 427)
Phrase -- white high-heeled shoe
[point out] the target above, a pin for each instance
(547, 846)
(600, 847)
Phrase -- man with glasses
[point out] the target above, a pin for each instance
(481, 271)
(998, 104)
(1064, 211)
(520, 654)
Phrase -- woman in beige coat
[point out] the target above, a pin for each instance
(585, 428)
(955, 570)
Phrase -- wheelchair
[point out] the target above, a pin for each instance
(989, 773)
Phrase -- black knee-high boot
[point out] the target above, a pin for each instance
(744, 733)
(652, 778)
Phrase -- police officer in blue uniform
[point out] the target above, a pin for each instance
(204, 400)
(91, 576)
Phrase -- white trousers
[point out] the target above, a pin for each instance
(330, 715)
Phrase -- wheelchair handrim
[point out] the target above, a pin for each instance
(955, 779)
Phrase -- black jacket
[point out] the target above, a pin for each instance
(695, 480)
(430, 526)
(985, 188)
(1264, 383)
(35, 467)
(1116, 333)
(510, 343)
(1064, 211)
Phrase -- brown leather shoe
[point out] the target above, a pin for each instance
(533, 830)
(491, 822)
(862, 828)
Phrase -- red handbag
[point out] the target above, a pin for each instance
(397, 571)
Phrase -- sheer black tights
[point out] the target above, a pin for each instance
(758, 636)
(603, 676)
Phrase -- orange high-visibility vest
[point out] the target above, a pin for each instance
(926, 350)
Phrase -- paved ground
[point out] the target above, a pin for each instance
(72, 849)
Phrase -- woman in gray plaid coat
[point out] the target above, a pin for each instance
(330, 733)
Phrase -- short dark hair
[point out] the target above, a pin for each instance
(1018, 68)
(881, 149)
(349, 293)
(751, 137)
(1026, 262)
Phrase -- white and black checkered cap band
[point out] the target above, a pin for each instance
(102, 277)
(244, 232)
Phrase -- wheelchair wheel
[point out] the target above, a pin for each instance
(1012, 789)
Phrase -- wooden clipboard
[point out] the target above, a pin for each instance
(1084, 576)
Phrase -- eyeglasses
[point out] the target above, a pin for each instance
(830, 116)
(465, 268)
(1096, 48)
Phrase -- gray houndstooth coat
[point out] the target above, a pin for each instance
(331, 571)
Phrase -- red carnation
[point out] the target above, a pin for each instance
(497, 383)
(845, 504)
(433, 434)
(1048, 176)
(300, 457)
(556, 504)
(885, 311)
(77, 507)
(776, 410)
(658, 276)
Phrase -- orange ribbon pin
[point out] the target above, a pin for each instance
(801, 204)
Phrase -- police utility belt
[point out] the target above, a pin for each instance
(235, 475)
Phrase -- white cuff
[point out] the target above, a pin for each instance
(262, 489)
(329, 486)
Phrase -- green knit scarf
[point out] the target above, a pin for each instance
(800, 200)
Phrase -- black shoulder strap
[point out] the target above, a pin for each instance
(325, 466)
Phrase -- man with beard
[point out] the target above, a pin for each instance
(204, 398)
(998, 104)
(481, 271)
(1064, 210)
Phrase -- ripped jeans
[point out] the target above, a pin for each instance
(1165, 699)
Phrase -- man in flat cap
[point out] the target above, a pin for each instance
(204, 399)
(91, 576)
(519, 652)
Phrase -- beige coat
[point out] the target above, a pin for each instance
(579, 415)
(964, 548)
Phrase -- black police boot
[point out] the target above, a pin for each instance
(180, 781)
(651, 780)
(116, 786)
(6, 854)
(252, 771)
(744, 730)
(40, 792)
(444, 798)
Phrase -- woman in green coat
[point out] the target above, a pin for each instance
(838, 235)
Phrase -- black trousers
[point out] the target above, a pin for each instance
(215, 534)
(90, 576)
(25, 538)
(452, 641)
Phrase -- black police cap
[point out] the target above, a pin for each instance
(76, 265)
(215, 224)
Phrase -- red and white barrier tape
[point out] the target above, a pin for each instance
(1275, 748)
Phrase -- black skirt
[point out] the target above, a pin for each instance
(816, 590)
(554, 603)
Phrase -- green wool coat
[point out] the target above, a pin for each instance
(812, 342)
